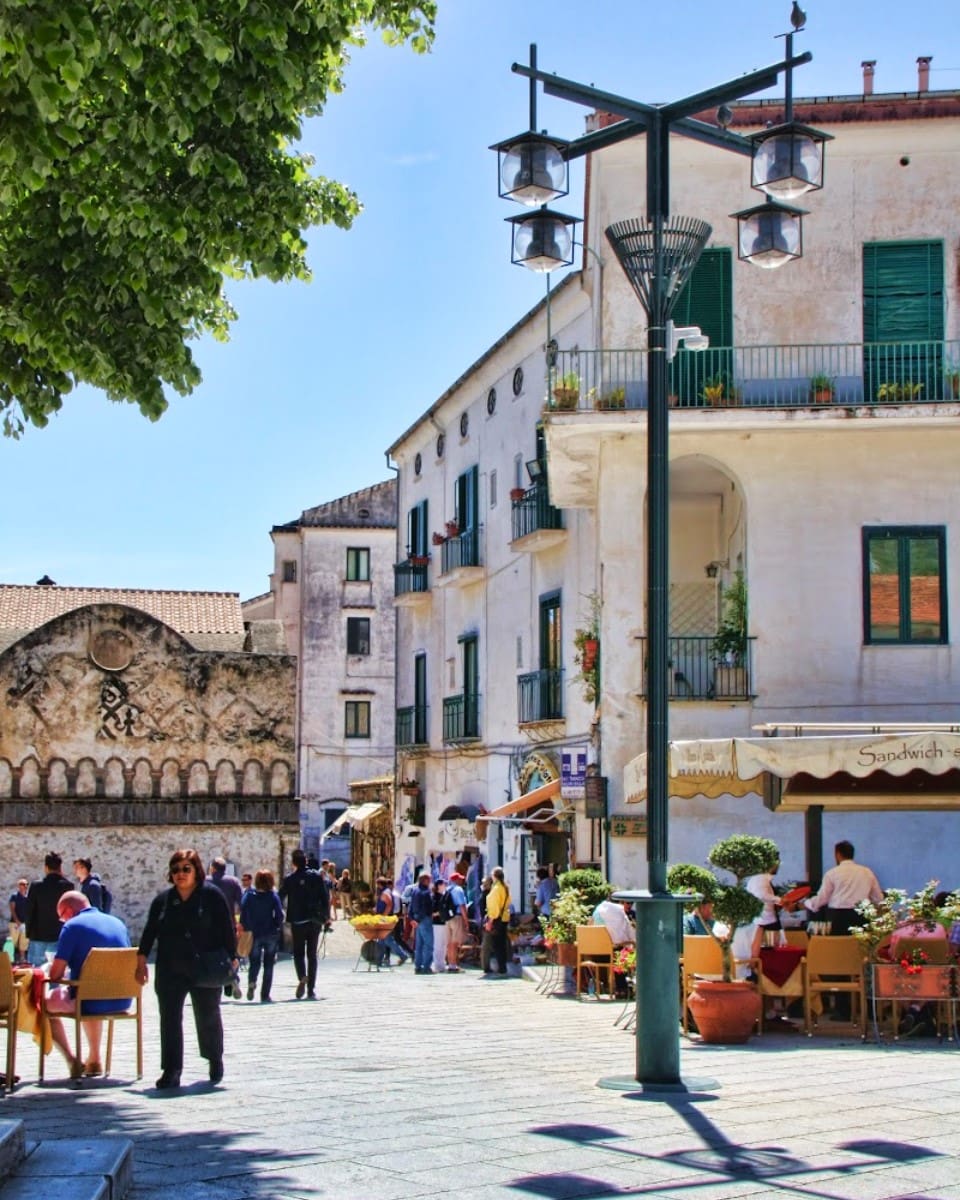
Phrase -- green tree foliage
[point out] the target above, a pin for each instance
(145, 155)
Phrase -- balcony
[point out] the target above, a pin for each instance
(460, 559)
(410, 728)
(535, 523)
(461, 718)
(757, 377)
(410, 582)
(695, 674)
(540, 696)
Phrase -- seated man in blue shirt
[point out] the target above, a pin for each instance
(84, 928)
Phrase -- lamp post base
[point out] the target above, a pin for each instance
(659, 941)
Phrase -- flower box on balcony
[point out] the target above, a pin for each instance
(453, 529)
(439, 539)
(517, 493)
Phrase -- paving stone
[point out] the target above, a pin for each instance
(13, 1146)
(399, 1087)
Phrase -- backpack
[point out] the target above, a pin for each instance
(106, 898)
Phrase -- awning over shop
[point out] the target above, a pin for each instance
(357, 815)
(539, 798)
(910, 769)
(536, 805)
(461, 812)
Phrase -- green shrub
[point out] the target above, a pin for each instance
(588, 882)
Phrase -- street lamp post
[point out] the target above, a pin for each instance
(658, 255)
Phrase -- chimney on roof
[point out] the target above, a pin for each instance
(923, 72)
(868, 64)
(46, 581)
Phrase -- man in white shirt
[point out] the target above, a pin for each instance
(613, 915)
(844, 887)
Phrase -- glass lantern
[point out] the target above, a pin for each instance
(788, 160)
(770, 235)
(543, 241)
(533, 168)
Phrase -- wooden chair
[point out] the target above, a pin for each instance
(108, 974)
(594, 956)
(701, 956)
(9, 1002)
(834, 967)
(797, 937)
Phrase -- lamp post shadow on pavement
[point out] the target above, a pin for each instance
(658, 255)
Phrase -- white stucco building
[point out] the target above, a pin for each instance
(838, 510)
(332, 588)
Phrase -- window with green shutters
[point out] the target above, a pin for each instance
(705, 300)
(904, 585)
(903, 321)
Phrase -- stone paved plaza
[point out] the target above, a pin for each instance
(395, 1085)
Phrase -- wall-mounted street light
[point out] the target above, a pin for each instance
(658, 253)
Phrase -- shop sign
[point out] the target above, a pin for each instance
(573, 772)
(626, 825)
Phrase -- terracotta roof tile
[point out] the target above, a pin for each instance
(23, 608)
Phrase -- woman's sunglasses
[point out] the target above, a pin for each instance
(181, 869)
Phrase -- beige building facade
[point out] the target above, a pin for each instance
(331, 590)
(812, 452)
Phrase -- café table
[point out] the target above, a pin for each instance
(782, 974)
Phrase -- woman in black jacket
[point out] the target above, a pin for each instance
(185, 919)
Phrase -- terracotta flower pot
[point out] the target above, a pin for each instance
(726, 1013)
(590, 648)
(565, 954)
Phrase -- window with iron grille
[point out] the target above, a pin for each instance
(357, 719)
(904, 585)
(358, 635)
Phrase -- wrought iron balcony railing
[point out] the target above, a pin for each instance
(461, 550)
(540, 696)
(854, 373)
(695, 673)
(411, 576)
(533, 511)
(461, 718)
(411, 726)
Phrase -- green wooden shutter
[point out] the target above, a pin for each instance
(705, 300)
(903, 320)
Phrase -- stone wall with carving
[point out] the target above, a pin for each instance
(133, 861)
(120, 742)
(107, 702)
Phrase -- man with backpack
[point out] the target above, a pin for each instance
(308, 911)
(92, 886)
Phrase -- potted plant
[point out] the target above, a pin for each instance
(895, 393)
(726, 1010)
(418, 560)
(730, 644)
(581, 890)
(822, 389)
(517, 494)
(439, 539)
(586, 652)
(410, 787)
(614, 399)
(567, 911)
(566, 391)
(453, 529)
(910, 974)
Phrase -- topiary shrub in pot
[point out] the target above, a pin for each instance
(742, 855)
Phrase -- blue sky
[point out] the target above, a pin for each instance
(318, 379)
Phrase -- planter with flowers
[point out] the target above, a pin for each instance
(918, 972)
(580, 892)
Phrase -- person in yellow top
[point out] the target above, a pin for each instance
(496, 925)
